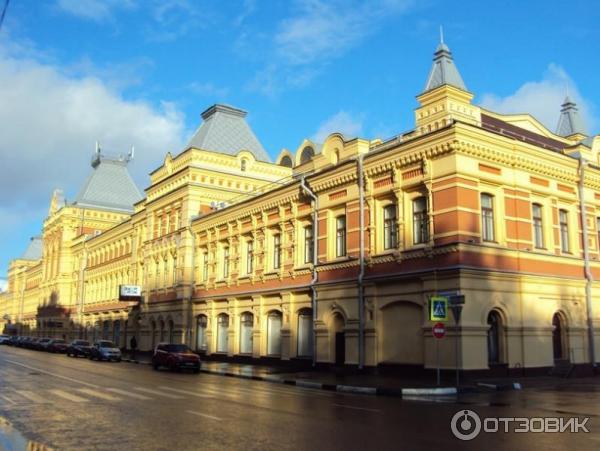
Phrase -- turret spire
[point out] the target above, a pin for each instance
(570, 122)
(443, 71)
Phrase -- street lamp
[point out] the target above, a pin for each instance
(456, 305)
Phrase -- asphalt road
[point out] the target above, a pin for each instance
(76, 404)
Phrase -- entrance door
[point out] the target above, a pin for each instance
(340, 348)
(558, 342)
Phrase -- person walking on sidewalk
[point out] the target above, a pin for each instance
(133, 346)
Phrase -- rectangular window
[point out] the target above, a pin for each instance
(225, 262)
(538, 226)
(420, 221)
(308, 244)
(249, 257)
(205, 267)
(563, 217)
(340, 236)
(276, 251)
(487, 217)
(390, 234)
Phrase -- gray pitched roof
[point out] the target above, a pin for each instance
(225, 130)
(569, 122)
(443, 71)
(109, 186)
(34, 250)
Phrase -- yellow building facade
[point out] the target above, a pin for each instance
(331, 254)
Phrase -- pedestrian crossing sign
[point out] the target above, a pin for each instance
(438, 308)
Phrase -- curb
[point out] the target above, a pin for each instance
(409, 393)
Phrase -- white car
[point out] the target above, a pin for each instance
(4, 339)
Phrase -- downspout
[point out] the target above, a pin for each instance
(586, 259)
(361, 274)
(192, 285)
(314, 279)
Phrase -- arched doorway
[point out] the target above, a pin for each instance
(305, 333)
(246, 328)
(559, 337)
(105, 329)
(153, 333)
(171, 330)
(495, 338)
(162, 331)
(274, 334)
(117, 333)
(337, 325)
(223, 333)
(201, 325)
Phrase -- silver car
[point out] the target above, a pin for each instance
(105, 350)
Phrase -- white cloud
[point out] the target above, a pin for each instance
(341, 122)
(95, 10)
(3, 284)
(543, 98)
(50, 121)
(325, 29)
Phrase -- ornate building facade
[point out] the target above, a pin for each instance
(332, 252)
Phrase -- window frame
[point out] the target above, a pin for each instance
(341, 236)
(249, 257)
(390, 227)
(487, 215)
(563, 231)
(420, 221)
(309, 244)
(537, 223)
(277, 251)
(225, 262)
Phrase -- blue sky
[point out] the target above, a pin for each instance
(140, 72)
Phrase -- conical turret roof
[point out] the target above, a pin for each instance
(570, 122)
(443, 71)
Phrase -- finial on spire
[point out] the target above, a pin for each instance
(97, 147)
(131, 152)
(441, 34)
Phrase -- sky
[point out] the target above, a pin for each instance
(140, 72)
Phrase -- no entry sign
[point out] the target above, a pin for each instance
(439, 330)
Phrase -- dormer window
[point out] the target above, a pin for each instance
(244, 165)
(307, 154)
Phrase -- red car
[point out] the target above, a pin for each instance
(175, 357)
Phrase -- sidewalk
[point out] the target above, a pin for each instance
(368, 384)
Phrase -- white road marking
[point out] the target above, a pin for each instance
(31, 396)
(126, 393)
(53, 374)
(159, 393)
(68, 396)
(6, 398)
(185, 392)
(204, 415)
(356, 408)
(97, 394)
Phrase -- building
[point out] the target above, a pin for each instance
(331, 253)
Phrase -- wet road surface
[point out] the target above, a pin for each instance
(76, 404)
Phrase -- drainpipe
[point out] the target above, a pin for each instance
(361, 274)
(192, 285)
(314, 279)
(586, 259)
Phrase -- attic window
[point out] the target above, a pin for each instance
(307, 154)
(243, 165)
(286, 161)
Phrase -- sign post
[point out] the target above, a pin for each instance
(456, 305)
(439, 331)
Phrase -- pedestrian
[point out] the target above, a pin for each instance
(133, 346)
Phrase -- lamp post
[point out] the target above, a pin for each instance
(456, 305)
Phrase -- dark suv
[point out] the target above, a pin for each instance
(79, 348)
(175, 357)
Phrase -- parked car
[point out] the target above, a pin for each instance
(12, 341)
(4, 339)
(79, 348)
(20, 342)
(29, 342)
(42, 344)
(175, 357)
(105, 350)
(57, 345)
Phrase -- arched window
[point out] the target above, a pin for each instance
(201, 333)
(274, 334)
(222, 332)
(305, 333)
(244, 164)
(559, 337)
(286, 161)
(307, 154)
(495, 338)
(246, 327)
(162, 331)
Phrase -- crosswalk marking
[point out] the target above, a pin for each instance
(97, 394)
(7, 399)
(126, 393)
(204, 415)
(31, 396)
(159, 393)
(185, 392)
(69, 396)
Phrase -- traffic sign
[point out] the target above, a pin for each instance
(439, 330)
(438, 308)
